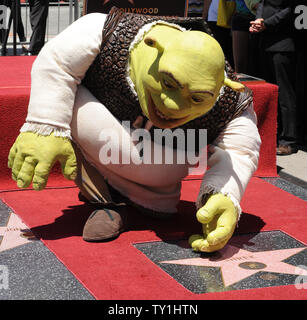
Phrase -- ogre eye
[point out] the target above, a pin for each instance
(167, 84)
(197, 99)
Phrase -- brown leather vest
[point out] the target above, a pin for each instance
(106, 78)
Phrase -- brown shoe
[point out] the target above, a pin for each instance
(104, 224)
(285, 150)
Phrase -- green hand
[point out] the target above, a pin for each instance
(32, 156)
(218, 218)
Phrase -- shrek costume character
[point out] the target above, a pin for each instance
(155, 72)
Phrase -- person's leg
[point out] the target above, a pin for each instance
(254, 59)
(38, 19)
(240, 45)
(284, 65)
(20, 28)
(267, 70)
(94, 188)
(301, 85)
(240, 24)
(223, 37)
(109, 219)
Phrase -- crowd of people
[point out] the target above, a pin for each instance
(261, 40)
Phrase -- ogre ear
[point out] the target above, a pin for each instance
(152, 42)
(237, 86)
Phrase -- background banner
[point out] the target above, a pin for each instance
(149, 7)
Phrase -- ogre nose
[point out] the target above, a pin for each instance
(169, 102)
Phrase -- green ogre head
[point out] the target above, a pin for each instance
(177, 74)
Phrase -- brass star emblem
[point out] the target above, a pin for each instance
(15, 233)
(237, 264)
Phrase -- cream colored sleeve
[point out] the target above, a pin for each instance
(57, 71)
(233, 158)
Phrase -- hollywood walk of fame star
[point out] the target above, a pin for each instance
(237, 264)
(106, 1)
(14, 234)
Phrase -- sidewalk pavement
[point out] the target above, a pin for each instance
(293, 168)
